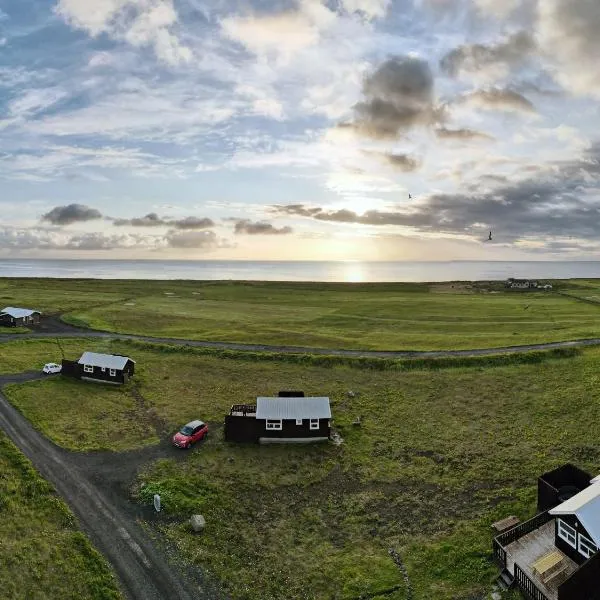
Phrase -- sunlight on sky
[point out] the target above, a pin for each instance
(267, 129)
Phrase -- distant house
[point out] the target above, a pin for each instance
(284, 419)
(555, 555)
(104, 368)
(520, 284)
(18, 317)
(547, 287)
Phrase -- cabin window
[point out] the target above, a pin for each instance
(104, 369)
(314, 423)
(274, 424)
(586, 547)
(298, 421)
(567, 533)
(88, 369)
(112, 372)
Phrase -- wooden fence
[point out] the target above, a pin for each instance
(527, 587)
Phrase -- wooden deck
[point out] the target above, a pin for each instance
(530, 548)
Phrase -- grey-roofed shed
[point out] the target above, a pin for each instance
(316, 407)
(104, 368)
(108, 361)
(280, 420)
(12, 316)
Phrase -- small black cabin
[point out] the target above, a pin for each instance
(556, 554)
(284, 419)
(103, 368)
(18, 317)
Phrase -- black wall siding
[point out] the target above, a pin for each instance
(565, 548)
(584, 584)
(74, 369)
(250, 429)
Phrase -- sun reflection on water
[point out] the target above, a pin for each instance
(354, 272)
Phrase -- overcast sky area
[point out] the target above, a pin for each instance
(300, 129)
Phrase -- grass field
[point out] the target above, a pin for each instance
(439, 456)
(362, 316)
(43, 555)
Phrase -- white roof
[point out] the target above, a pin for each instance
(19, 313)
(194, 424)
(586, 507)
(108, 361)
(293, 408)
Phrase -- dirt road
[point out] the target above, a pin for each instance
(95, 486)
(71, 332)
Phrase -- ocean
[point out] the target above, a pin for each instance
(334, 271)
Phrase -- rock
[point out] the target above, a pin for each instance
(198, 523)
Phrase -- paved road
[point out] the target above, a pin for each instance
(83, 333)
(142, 569)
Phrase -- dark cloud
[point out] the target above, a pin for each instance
(72, 213)
(462, 134)
(397, 96)
(149, 220)
(259, 228)
(192, 239)
(567, 203)
(476, 57)
(402, 162)
(295, 210)
(192, 223)
(501, 99)
(153, 220)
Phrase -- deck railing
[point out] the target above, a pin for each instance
(527, 587)
(517, 532)
(499, 554)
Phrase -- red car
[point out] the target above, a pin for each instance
(193, 432)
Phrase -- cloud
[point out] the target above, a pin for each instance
(244, 226)
(21, 239)
(140, 23)
(401, 162)
(498, 9)
(567, 31)
(72, 213)
(153, 220)
(192, 223)
(475, 57)
(100, 241)
(564, 203)
(282, 34)
(398, 96)
(371, 9)
(462, 134)
(500, 99)
(47, 162)
(193, 239)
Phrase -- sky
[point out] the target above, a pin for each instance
(300, 129)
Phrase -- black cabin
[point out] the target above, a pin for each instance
(556, 554)
(285, 419)
(103, 368)
(18, 317)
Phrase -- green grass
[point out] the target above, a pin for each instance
(25, 355)
(392, 316)
(43, 554)
(440, 455)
